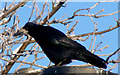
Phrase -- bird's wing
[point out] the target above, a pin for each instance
(65, 41)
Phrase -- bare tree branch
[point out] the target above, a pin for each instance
(23, 62)
(56, 8)
(98, 33)
(13, 9)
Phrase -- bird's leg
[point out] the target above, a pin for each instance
(51, 66)
(60, 62)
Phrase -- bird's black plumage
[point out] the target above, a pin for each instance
(59, 48)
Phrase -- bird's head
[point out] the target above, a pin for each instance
(25, 29)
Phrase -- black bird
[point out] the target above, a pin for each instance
(59, 48)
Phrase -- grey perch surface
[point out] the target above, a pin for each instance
(64, 70)
(75, 70)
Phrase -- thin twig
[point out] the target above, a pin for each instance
(72, 29)
(32, 11)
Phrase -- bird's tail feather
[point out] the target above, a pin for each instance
(92, 59)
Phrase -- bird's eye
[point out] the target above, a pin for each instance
(26, 28)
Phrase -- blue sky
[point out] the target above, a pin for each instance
(84, 25)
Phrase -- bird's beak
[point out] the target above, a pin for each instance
(21, 32)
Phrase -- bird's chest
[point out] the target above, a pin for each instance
(46, 44)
